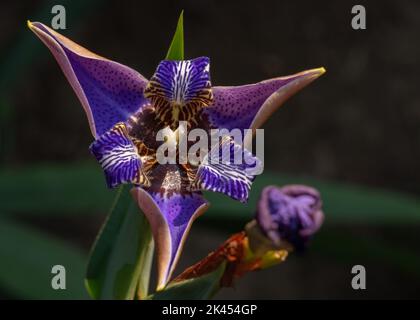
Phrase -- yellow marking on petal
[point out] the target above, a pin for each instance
(319, 71)
(175, 112)
(315, 73)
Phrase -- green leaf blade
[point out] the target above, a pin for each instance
(176, 49)
(122, 254)
(204, 287)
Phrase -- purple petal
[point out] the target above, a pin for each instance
(229, 169)
(118, 156)
(170, 218)
(109, 92)
(249, 106)
(180, 84)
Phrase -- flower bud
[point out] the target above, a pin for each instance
(289, 215)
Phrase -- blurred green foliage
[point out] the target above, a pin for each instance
(27, 256)
(56, 189)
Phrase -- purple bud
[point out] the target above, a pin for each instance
(291, 213)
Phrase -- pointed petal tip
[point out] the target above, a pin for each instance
(315, 73)
(105, 103)
(33, 25)
(160, 286)
(318, 71)
(301, 80)
(287, 87)
(39, 29)
(167, 252)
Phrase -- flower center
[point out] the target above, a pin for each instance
(143, 128)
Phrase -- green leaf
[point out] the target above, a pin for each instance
(204, 287)
(26, 259)
(121, 258)
(176, 50)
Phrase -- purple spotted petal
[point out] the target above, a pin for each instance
(249, 106)
(181, 83)
(230, 169)
(109, 92)
(292, 213)
(170, 219)
(118, 156)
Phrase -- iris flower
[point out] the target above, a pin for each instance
(125, 111)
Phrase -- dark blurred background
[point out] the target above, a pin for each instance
(357, 124)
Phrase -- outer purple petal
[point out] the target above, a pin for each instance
(170, 219)
(109, 92)
(249, 106)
